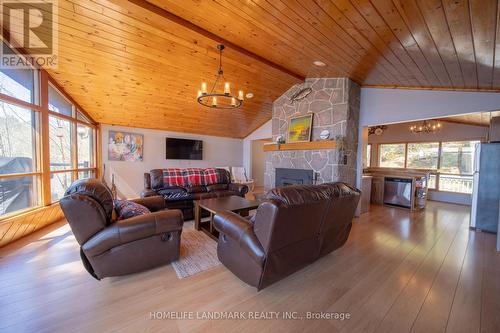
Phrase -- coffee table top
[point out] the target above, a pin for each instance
(233, 203)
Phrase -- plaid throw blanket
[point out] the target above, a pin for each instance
(173, 177)
(210, 176)
(193, 177)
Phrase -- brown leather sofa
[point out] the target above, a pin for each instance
(182, 197)
(293, 227)
(113, 248)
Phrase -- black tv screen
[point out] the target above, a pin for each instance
(184, 149)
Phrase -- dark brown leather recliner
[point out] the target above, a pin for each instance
(294, 226)
(113, 248)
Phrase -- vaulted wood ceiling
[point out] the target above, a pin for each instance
(139, 63)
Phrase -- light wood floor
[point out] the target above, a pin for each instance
(424, 272)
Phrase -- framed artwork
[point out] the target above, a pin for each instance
(300, 128)
(123, 146)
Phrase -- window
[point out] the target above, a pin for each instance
(423, 155)
(451, 163)
(18, 155)
(368, 155)
(85, 138)
(458, 157)
(18, 83)
(60, 144)
(58, 103)
(392, 155)
(71, 142)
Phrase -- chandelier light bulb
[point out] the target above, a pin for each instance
(214, 101)
(199, 93)
(240, 95)
(227, 89)
(233, 101)
(203, 87)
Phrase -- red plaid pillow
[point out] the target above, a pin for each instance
(210, 176)
(173, 177)
(194, 176)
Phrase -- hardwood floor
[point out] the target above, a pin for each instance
(398, 272)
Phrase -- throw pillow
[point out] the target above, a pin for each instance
(173, 177)
(127, 209)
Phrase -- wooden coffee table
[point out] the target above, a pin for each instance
(232, 203)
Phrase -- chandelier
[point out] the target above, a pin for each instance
(219, 100)
(426, 126)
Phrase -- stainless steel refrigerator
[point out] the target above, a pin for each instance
(486, 191)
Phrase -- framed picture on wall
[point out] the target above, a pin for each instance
(123, 146)
(300, 128)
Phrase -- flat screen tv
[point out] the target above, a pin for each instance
(184, 149)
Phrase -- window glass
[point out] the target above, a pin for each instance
(368, 155)
(18, 83)
(82, 117)
(423, 155)
(17, 139)
(18, 193)
(455, 183)
(84, 137)
(59, 182)
(392, 155)
(60, 143)
(458, 157)
(432, 182)
(58, 103)
(86, 174)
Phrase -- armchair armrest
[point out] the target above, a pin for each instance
(240, 230)
(153, 203)
(135, 228)
(148, 193)
(241, 189)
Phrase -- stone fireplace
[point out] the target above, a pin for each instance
(335, 105)
(286, 176)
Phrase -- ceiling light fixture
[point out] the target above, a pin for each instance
(219, 100)
(319, 63)
(426, 126)
(249, 95)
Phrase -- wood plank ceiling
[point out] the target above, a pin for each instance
(137, 63)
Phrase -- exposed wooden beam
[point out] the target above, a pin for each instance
(191, 26)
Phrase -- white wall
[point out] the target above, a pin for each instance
(217, 151)
(263, 132)
(385, 106)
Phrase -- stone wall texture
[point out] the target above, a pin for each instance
(335, 104)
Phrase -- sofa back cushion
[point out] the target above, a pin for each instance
(174, 177)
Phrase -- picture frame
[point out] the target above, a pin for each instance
(125, 146)
(300, 128)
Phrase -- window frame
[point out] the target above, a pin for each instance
(39, 108)
(437, 172)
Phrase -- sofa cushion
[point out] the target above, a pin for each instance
(194, 176)
(174, 177)
(210, 176)
(127, 209)
(196, 189)
(217, 187)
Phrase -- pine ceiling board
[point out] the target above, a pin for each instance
(129, 66)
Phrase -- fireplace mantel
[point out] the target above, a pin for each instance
(312, 145)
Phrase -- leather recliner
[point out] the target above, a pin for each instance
(292, 228)
(113, 248)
